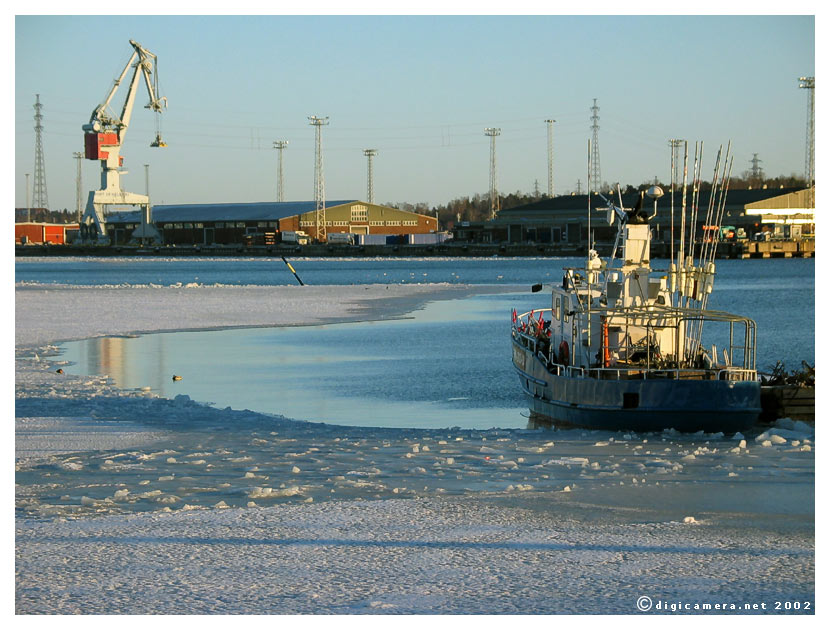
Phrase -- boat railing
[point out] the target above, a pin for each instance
(639, 373)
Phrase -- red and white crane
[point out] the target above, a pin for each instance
(103, 137)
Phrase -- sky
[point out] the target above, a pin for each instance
(420, 90)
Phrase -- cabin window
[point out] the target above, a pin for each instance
(558, 307)
(566, 305)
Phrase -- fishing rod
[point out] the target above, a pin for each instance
(681, 277)
(710, 208)
(723, 203)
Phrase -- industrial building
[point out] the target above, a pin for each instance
(263, 223)
(44, 233)
(564, 219)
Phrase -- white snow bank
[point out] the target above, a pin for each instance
(439, 556)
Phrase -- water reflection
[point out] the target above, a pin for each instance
(448, 365)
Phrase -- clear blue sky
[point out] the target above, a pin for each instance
(421, 90)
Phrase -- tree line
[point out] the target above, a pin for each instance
(477, 206)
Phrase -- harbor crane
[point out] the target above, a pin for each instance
(103, 138)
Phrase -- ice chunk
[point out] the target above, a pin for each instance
(567, 461)
(689, 519)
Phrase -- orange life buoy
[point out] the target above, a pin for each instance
(564, 353)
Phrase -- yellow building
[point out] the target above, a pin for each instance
(359, 217)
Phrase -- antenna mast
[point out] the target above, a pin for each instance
(79, 185)
(279, 145)
(809, 83)
(41, 198)
(319, 182)
(550, 122)
(594, 157)
(494, 193)
(370, 174)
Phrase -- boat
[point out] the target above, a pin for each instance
(620, 345)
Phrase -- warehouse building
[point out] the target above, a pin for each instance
(263, 223)
(564, 219)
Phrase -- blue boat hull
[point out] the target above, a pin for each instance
(636, 405)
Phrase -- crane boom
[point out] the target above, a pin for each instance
(104, 135)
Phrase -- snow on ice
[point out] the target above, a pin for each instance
(131, 503)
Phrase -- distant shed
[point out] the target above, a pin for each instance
(44, 233)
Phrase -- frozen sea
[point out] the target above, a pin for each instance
(132, 496)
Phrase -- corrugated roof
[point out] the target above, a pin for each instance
(257, 211)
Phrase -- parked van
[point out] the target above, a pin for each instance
(299, 237)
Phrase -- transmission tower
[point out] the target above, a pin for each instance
(809, 83)
(370, 174)
(41, 198)
(757, 172)
(494, 193)
(596, 179)
(319, 182)
(280, 145)
(79, 185)
(550, 122)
